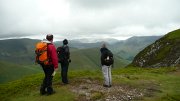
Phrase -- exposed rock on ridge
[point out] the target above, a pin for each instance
(164, 52)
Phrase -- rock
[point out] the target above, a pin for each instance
(165, 52)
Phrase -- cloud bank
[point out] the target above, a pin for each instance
(77, 19)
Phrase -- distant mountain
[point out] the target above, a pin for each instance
(127, 49)
(90, 59)
(18, 54)
(164, 52)
(88, 43)
(80, 45)
(16, 50)
(21, 51)
(130, 47)
(17, 59)
(96, 40)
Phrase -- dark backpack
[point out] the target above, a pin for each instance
(61, 54)
(107, 58)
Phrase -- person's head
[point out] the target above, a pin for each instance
(49, 37)
(65, 41)
(103, 45)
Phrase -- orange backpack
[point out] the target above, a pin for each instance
(41, 53)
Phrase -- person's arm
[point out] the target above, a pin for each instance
(67, 53)
(53, 56)
(101, 50)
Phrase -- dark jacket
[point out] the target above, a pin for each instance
(106, 57)
(104, 54)
(66, 52)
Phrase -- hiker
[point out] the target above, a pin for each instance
(49, 64)
(106, 62)
(64, 59)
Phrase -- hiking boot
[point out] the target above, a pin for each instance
(50, 90)
(65, 83)
(42, 90)
(106, 85)
(50, 93)
(43, 93)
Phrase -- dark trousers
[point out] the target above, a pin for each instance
(47, 82)
(64, 72)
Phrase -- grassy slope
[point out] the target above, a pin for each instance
(16, 50)
(173, 38)
(11, 71)
(90, 59)
(81, 59)
(161, 84)
(174, 34)
(130, 47)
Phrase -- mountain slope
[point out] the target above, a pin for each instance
(162, 53)
(18, 59)
(10, 71)
(129, 84)
(16, 50)
(90, 59)
(80, 45)
(129, 48)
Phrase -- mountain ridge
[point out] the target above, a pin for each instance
(23, 49)
(164, 52)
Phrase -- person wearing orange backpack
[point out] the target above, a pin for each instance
(46, 56)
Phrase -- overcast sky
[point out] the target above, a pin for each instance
(76, 19)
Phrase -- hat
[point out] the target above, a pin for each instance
(65, 41)
(103, 45)
(49, 37)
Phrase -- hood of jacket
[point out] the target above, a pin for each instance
(46, 41)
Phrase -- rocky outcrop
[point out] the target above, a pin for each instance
(165, 52)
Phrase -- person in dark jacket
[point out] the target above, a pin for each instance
(65, 62)
(106, 56)
(49, 70)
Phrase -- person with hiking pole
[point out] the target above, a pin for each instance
(46, 56)
(106, 62)
(64, 60)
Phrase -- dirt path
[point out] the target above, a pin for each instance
(92, 90)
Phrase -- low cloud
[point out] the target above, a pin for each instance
(75, 19)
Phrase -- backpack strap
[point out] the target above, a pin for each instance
(49, 59)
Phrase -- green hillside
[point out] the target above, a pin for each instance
(80, 61)
(18, 56)
(164, 52)
(129, 48)
(174, 35)
(136, 84)
(90, 59)
(10, 71)
(16, 50)
(85, 76)
(86, 59)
